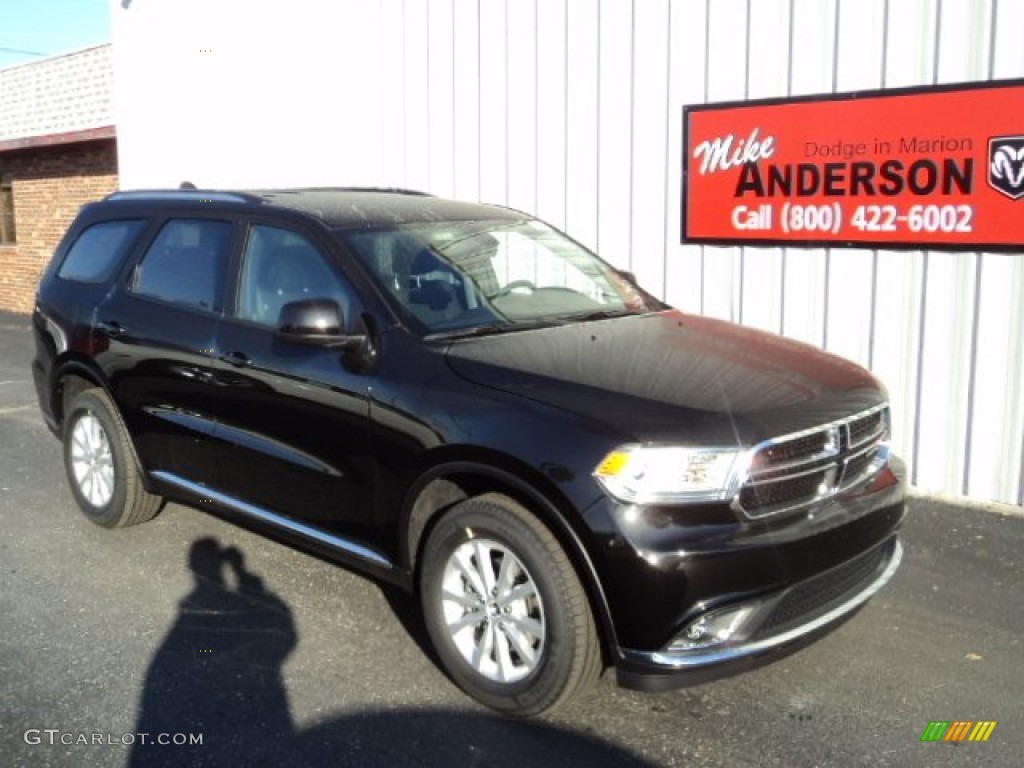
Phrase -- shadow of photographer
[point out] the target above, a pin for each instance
(218, 673)
(218, 670)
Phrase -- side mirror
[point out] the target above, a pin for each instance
(315, 322)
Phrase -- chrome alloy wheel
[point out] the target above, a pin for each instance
(493, 611)
(91, 461)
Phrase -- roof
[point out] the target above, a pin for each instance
(57, 100)
(339, 207)
(371, 208)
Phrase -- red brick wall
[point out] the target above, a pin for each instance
(49, 185)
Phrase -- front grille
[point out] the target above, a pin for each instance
(796, 471)
(866, 428)
(799, 449)
(784, 491)
(857, 466)
(821, 594)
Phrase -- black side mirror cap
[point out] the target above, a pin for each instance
(315, 322)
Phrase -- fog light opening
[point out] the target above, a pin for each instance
(716, 628)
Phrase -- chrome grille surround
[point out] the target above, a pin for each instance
(796, 471)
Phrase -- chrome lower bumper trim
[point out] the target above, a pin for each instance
(278, 521)
(706, 658)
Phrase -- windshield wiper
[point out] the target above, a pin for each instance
(493, 329)
(599, 314)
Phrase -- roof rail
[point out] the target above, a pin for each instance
(194, 195)
(302, 190)
(392, 190)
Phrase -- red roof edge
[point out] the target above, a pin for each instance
(54, 139)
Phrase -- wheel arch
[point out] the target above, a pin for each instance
(71, 376)
(460, 477)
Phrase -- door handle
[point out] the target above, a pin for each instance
(237, 359)
(110, 327)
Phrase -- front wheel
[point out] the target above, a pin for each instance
(101, 468)
(505, 609)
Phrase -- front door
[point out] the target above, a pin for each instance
(293, 421)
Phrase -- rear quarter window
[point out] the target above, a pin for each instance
(98, 251)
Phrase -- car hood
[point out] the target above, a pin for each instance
(672, 376)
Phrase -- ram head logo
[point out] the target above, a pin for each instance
(1006, 165)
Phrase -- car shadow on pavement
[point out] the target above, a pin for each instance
(218, 672)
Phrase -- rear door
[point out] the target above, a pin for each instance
(157, 332)
(293, 420)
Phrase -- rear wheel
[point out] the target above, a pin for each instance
(100, 463)
(505, 609)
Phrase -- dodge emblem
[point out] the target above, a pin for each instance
(1006, 165)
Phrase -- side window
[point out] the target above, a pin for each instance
(186, 263)
(281, 266)
(98, 251)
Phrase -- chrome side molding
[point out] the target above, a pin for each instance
(281, 522)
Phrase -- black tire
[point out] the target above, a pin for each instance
(566, 659)
(101, 466)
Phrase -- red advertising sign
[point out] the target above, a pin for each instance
(936, 168)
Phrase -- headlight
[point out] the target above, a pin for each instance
(651, 474)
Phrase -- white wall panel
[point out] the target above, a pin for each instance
(768, 44)
(521, 31)
(687, 84)
(615, 130)
(572, 109)
(860, 48)
(945, 352)
(813, 46)
(416, 94)
(466, 95)
(650, 141)
(896, 340)
(440, 116)
(963, 40)
(392, 82)
(997, 424)
(494, 157)
(552, 111)
(803, 304)
(1008, 53)
(910, 42)
(203, 98)
(848, 300)
(581, 171)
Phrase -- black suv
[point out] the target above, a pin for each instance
(463, 401)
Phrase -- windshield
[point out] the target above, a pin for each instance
(493, 275)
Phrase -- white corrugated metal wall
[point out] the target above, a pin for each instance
(572, 109)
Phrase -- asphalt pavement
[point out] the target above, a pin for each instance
(108, 635)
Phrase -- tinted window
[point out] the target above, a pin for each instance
(186, 262)
(454, 275)
(281, 266)
(98, 251)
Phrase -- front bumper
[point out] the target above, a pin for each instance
(780, 624)
(674, 577)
